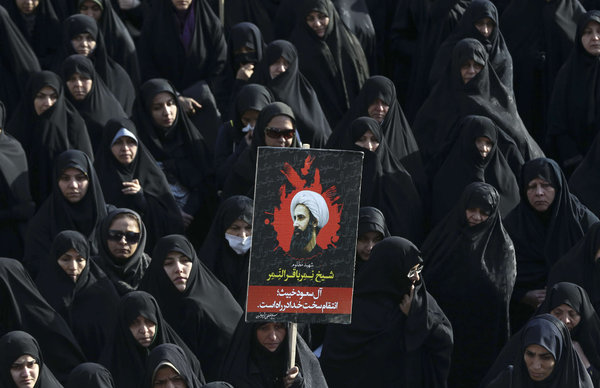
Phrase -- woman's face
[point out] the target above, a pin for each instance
(270, 335)
(124, 150)
(414, 274)
(25, 371)
(178, 267)
(168, 377)
(279, 132)
(143, 330)
(240, 228)
(278, 67)
(27, 7)
(365, 243)
(540, 194)
(590, 39)
(476, 216)
(164, 109)
(539, 361)
(485, 26)
(72, 263)
(567, 315)
(181, 5)
(91, 9)
(123, 237)
(484, 146)
(318, 22)
(83, 43)
(378, 110)
(368, 141)
(469, 70)
(79, 86)
(44, 99)
(73, 184)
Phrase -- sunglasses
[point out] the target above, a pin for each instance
(276, 133)
(130, 237)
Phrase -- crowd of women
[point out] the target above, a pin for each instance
(129, 132)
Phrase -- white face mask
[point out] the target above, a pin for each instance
(238, 244)
(247, 128)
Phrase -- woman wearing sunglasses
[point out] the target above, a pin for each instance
(122, 240)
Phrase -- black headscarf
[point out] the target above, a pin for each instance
(45, 136)
(183, 47)
(90, 375)
(584, 182)
(127, 275)
(16, 344)
(114, 76)
(370, 219)
(293, 89)
(573, 120)
(174, 357)
(16, 205)
(387, 185)
(100, 105)
(510, 370)
(481, 259)
(57, 213)
(257, 13)
(124, 356)
(245, 34)
(396, 349)
(22, 307)
(88, 305)
(335, 65)
(464, 164)
(154, 202)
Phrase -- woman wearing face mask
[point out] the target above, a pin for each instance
(201, 310)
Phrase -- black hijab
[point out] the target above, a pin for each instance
(396, 349)
(22, 307)
(245, 34)
(57, 213)
(544, 330)
(90, 375)
(335, 65)
(204, 314)
(573, 120)
(464, 164)
(154, 202)
(256, 13)
(16, 344)
(174, 357)
(292, 88)
(124, 357)
(481, 259)
(370, 219)
(100, 105)
(183, 47)
(584, 182)
(88, 305)
(45, 136)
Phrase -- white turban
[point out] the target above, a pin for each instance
(315, 203)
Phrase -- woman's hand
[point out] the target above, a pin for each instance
(245, 72)
(290, 376)
(187, 219)
(534, 298)
(131, 188)
(407, 300)
(189, 104)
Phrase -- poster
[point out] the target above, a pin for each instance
(306, 204)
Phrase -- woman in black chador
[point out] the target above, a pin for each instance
(166, 361)
(90, 375)
(585, 182)
(471, 244)
(399, 334)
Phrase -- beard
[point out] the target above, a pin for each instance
(300, 239)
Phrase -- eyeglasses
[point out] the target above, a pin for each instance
(415, 271)
(130, 237)
(276, 133)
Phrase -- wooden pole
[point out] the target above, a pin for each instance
(292, 336)
(222, 11)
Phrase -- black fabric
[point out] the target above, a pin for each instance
(396, 350)
(88, 305)
(57, 213)
(483, 95)
(370, 219)
(249, 365)
(154, 202)
(499, 57)
(22, 307)
(387, 185)
(584, 182)
(162, 53)
(464, 164)
(510, 370)
(539, 36)
(541, 239)
(16, 204)
(293, 88)
(355, 15)
(126, 275)
(173, 356)
(335, 65)
(241, 178)
(256, 12)
(114, 76)
(16, 344)
(100, 105)
(573, 120)
(17, 62)
(204, 314)
(90, 375)
(45, 136)
(229, 267)
(587, 331)
(124, 357)
(481, 259)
